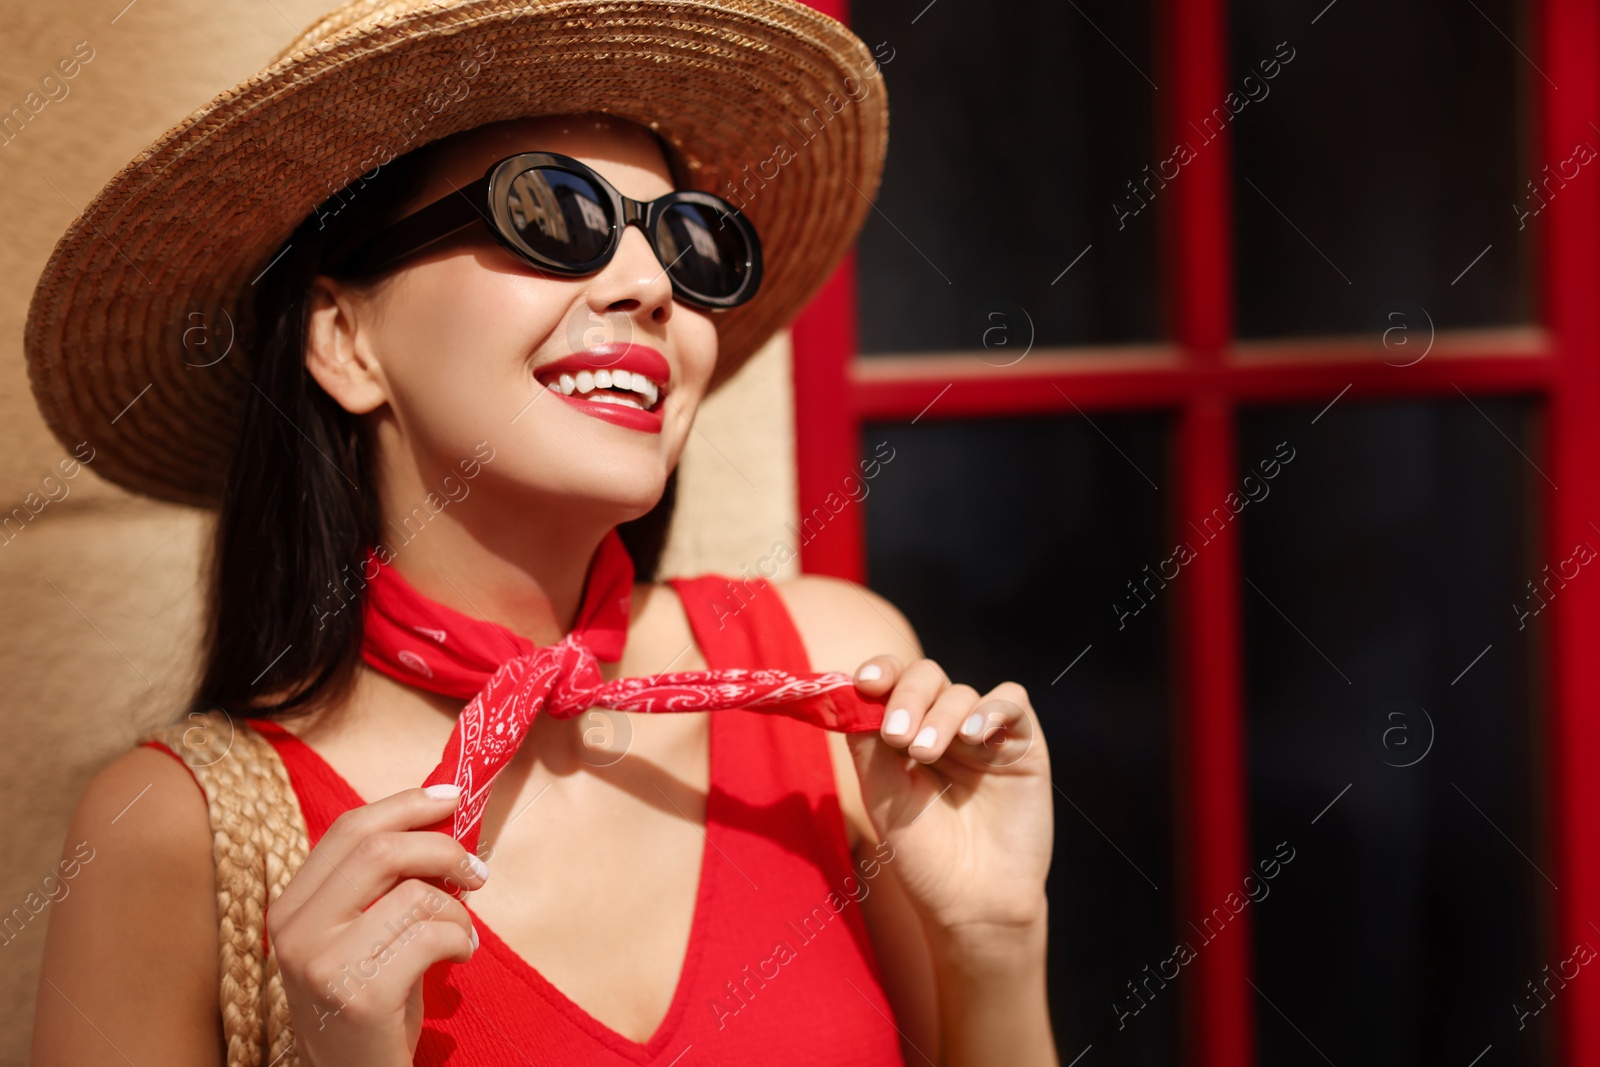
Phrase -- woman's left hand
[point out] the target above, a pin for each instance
(958, 783)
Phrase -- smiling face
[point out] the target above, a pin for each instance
(460, 345)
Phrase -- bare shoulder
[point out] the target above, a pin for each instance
(131, 943)
(843, 623)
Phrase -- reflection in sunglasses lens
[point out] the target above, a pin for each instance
(560, 215)
(708, 255)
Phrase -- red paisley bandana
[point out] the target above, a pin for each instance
(507, 680)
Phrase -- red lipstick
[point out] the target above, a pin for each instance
(640, 359)
(629, 358)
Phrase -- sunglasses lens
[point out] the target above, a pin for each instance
(706, 252)
(560, 215)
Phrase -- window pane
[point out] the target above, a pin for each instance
(1006, 542)
(1012, 132)
(1378, 163)
(1391, 733)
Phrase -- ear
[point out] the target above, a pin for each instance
(337, 353)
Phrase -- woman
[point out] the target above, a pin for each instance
(392, 368)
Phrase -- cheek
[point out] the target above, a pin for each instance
(694, 339)
(697, 343)
(456, 340)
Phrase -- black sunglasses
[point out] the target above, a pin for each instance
(559, 215)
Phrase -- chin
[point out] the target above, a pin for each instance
(641, 505)
(617, 502)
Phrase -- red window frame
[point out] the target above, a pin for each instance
(1203, 376)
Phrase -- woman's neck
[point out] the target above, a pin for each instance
(527, 577)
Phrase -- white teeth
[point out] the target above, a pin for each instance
(591, 382)
(613, 398)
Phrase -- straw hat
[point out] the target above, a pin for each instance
(781, 101)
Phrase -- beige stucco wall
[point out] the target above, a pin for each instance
(99, 594)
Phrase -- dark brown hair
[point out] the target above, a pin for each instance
(283, 602)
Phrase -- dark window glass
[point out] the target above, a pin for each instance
(1013, 133)
(1381, 160)
(1391, 732)
(1007, 543)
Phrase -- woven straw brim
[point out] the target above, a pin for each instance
(150, 282)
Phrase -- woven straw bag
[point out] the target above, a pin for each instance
(259, 840)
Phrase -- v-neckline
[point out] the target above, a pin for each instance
(688, 968)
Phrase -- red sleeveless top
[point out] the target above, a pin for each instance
(779, 969)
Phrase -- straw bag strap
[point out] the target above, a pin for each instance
(259, 841)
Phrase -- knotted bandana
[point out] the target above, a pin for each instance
(507, 679)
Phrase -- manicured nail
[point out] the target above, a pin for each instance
(973, 724)
(442, 791)
(897, 722)
(870, 673)
(925, 737)
(474, 931)
(479, 868)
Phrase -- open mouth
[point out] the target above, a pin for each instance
(621, 387)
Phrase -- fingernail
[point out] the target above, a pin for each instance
(479, 868)
(897, 722)
(973, 724)
(474, 931)
(870, 673)
(442, 791)
(925, 737)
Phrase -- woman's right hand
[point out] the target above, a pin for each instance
(356, 927)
